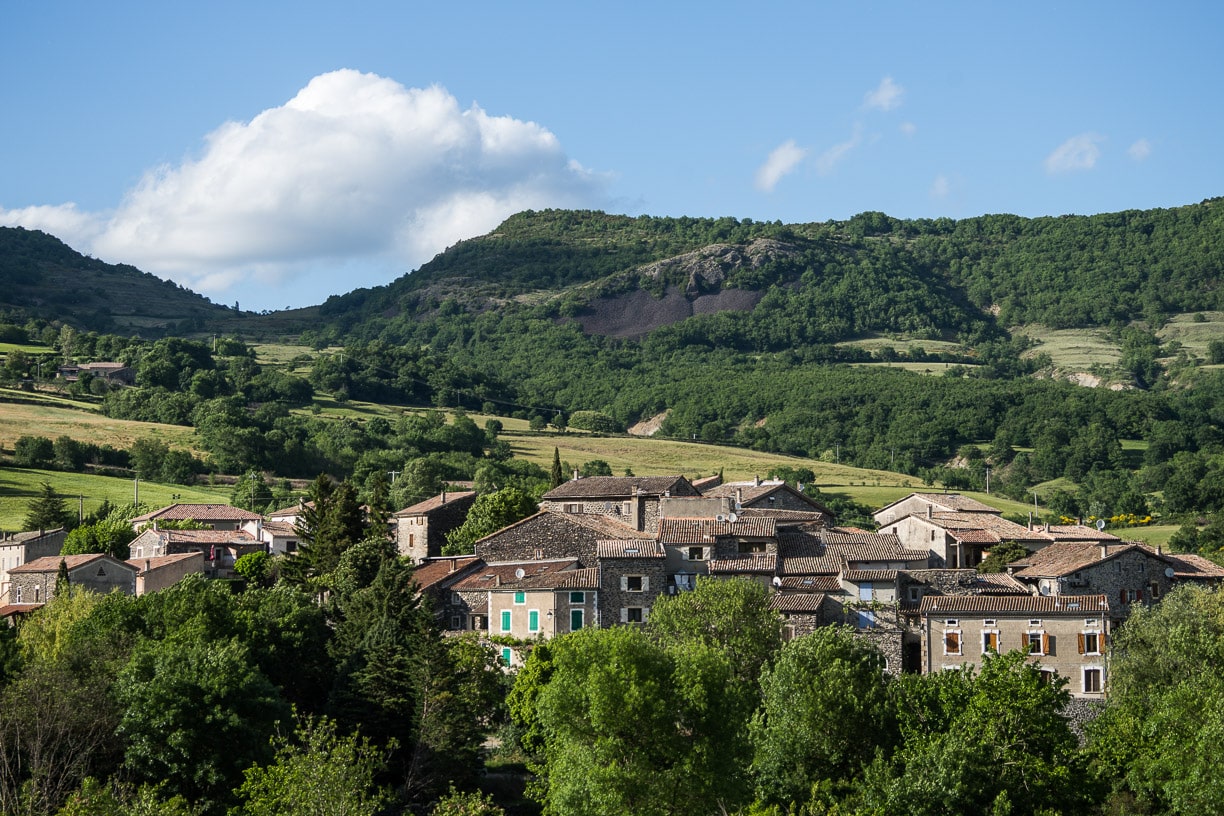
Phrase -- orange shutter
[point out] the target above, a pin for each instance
(1046, 642)
(1081, 643)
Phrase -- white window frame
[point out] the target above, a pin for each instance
(577, 597)
(986, 635)
(507, 621)
(960, 643)
(536, 614)
(643, 583)
(520, 597)
(1100, 677)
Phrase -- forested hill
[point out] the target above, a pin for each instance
(43, 278)
(824, 282)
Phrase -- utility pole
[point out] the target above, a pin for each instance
(136, 491)
(393, 474)
(81, 508)
(987, 480)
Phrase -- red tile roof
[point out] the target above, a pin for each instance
(953, 502)
(629, 548)
(754, 563)
(199, 512)
(437, 570)
(1188, 566)
(1065, 557)
(1070, 605)
(796, 601)
(811, 583)
(861, 575)
(601, 487)
(147, 565)
(704, 531)
(50, 563)
(493, 576)
(435, 503)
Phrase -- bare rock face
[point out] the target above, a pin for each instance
(636, 313)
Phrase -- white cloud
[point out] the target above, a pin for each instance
(909, 128)
(356, 166)
(829, 159)
(941, 187)
(1077, 153)
(1140, 150)
(782, 160)
(885, 97)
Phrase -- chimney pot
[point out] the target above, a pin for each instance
(756, 481)
(575, 474)
(444, 497)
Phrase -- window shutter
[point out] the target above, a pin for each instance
(1045, 644)
(1081, 643)
(645, 584)
(624, 584)
(624, 613)
(1024, 643)
(1104, 642)
(1123, 596)
(1139, 595)
(645, 613)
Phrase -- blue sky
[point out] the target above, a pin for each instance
(273, 154)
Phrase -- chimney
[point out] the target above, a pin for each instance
(496, 580)
(452, 565)
(1104, 551)
(575, 474)
(756, 481)
(1047, 529)
(739, 496)
(444, 497)
(930, 511)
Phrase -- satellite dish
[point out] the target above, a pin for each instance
(777, 582)
(1100, 524)
(1169, 572)
(519, 573)
(732, 518)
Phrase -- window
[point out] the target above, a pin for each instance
(866, 591)
(696, 553)
(865, 619)
(632, 614)
(575, 620)
(505, 620)
(1154, 589)
(573, 508)
(952, 643)
(37, 594)
(1037, 643)
(915, 594)
(750, 547)
(634, 583)
(990, 642)
(290, 546)
(1092, 681)
(950, 622)
(479, 622)
(788, 632)
(520, 598)
(18, 594)
(507, 656)
(456, 622)
(533, 620)
(988, 623)
(1090, 643)
(577, 597)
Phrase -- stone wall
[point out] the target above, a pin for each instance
(615, 593)
(543, 536)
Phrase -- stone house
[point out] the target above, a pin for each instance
(954, 538)
(20, 548)
(420, 530)
(435, 580)
(109, 371)
(1128, 574)
(634, 501)
(220, 549)
(278, 537)
(216, 516)
(34, 581)
(770, 495)
(1064, 635)
(157, 573)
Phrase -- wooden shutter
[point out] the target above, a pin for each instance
(1123, 596)
(1139, 595)
(1081, 643)
(1047, 644)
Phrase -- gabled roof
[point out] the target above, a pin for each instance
(791, 517)
(1189, 566)
(1080, 532)
(146, 565)
(569, 579)
(757, 492)
(629, 548)
(443, 499)
(796, 601)
(810, 583)
(29, 536)
(199, 512)
(705, 530)
(50, 563)
(1066, 557)
(202, 537)
(858, 576)
(439, 570)
(1069, 605)
(745, 563)
(947, 502)
(506, 573)
(813, 553)
(978, 528)
(606, 487)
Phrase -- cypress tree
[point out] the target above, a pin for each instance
(557, 477)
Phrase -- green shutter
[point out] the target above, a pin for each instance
(575, 620)
(505, 620)
(507, 655)
(533, 621)
(520, 597)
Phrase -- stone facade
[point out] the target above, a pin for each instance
(420, 530)
(550, 535)
(21, 548)
(35, 581)
(155, 574)
(631, 584)
(1068, 636)
(1129, 576)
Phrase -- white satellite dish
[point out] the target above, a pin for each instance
(1169, 573)
(1100, 524)
(777, 582)
(732, 518)
(519, 573)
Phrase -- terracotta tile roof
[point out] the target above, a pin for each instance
(1005, 530)
(704, 531)
(829, 564)
(629, 548)
(202, 536)
(572, 579)
(438, 570)
(782, 515)
(437, 502)
(50, 563)
(29, 536)
(796, 601)
(291, 510)
(755, 563)
(601, 487)
(492, 576)
(1066, 557)
(146, 565)
(888, 539)
(849, 530)
(860, 575)
(606, 526)
(811, 583)
(279, 528)
(9, 610)
(1080, 532)
(1189, 566)
(199, 512)
(1001, 582)
(706, 482)
(954, 502)
(749, 490)
(1070, 605)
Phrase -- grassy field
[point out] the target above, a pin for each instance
(935, 369)
(1194, 335)
(28, 348)
(51, 420)
(1072, 349)
(878, 342)
(19, 485)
